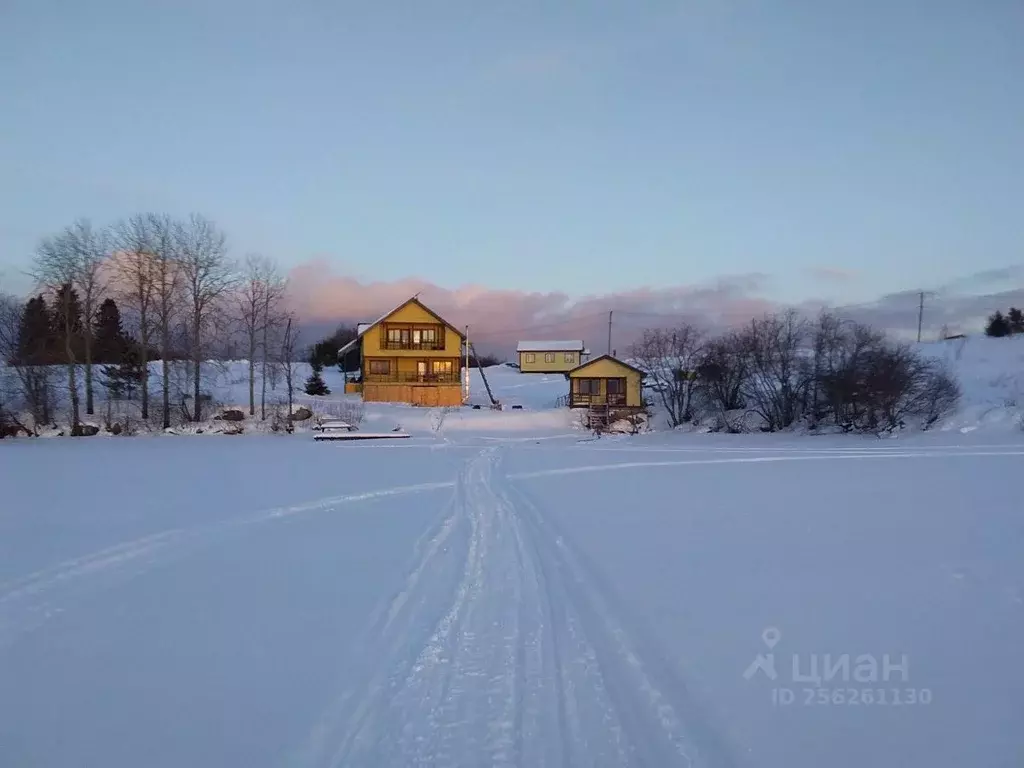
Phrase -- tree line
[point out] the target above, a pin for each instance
(1010, 324)
(149, 288)
(785, 369)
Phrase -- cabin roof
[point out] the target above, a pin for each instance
(550, 346)
(362, 328)
(579, 368)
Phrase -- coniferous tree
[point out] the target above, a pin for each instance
(1015, 319)
(35, 334)
(997, 325)
(315, 384)
(67, 321)
(109, 340)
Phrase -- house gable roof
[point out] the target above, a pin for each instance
(605, 357)
(364, 327)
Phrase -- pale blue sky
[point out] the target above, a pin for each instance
(589, 147)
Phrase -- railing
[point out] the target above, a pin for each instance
(415, 345)
(579, 400)
(411, 378)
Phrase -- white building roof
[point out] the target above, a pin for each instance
(550, 346)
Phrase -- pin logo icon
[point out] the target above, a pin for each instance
(765, 662)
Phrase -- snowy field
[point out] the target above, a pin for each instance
(474, 598)
(502, 589)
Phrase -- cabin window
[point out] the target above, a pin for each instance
(380, 367)
(570, 357)
(589, 386)
(549, 357)
(616, 386)
(530, 357)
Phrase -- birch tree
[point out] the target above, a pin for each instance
(259, 293)
(77, 257)
(207, 278)
(166, 276)
(134, 241)
(55, 268)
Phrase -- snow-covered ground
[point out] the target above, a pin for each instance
(494, 597)
(502, 589)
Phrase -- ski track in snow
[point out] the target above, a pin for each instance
(504, 649)
(28, 602)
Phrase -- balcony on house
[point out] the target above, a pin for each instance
(408, 336)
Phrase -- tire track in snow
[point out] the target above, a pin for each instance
(504, 651)
(29, 601)
(648, 709)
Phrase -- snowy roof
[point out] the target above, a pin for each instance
(550, 346)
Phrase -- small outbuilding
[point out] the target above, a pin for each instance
(606, 381)
(550, 356)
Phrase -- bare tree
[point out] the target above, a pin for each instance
(135, 243)
(287, 361)
(274, 321)
(55, 269)
(24, 359)
(166, 276)
(722, 374)
(670, 357)
(259, 292)
(207, 278)
(778, 362)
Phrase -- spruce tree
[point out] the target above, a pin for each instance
(67, 321)
(35, 334)
(110, 342)
(997, 325)
(1015, 319)
(315, 384)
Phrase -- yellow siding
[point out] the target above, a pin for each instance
(415, 394)
(539, 366)
(373, 339)
(612, 369)
(403, 363)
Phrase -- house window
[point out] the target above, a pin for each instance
(616, 386)
(441, 367)
(588, 386)
(530, 357)
(549, 357)
(570, 357)
(380, 367)
(398, 336)
(424, 336)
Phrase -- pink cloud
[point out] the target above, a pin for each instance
(499, 318)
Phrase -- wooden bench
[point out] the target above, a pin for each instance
(333, 426)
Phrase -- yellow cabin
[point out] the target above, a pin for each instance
(410, 355)
(550, 356)
(606, 381)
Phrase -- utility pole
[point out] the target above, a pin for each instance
(465, 373)
(609, 332)
(920, 316)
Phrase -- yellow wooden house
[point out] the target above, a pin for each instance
(550, 356)
(409, 355)
(606, 381)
